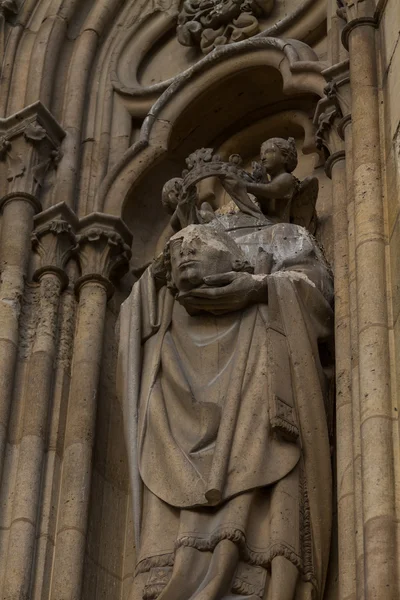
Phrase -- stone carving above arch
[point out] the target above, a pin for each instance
(213, 23)
(149, 57)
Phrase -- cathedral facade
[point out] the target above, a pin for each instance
(102, 102)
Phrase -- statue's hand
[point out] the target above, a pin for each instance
(226, 292)
(234, 185)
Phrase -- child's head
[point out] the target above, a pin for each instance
(170, 194)
(278, 153)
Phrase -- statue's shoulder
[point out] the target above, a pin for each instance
(285, 232)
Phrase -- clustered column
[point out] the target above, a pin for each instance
(378, 494)
(103, 251)
(363, 344)
(29, 148)
(53, 240)
(328, 120)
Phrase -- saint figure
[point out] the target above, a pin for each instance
(222, 371)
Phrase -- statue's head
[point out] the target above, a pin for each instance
(170, 194)
(198, 251)
(278, 153)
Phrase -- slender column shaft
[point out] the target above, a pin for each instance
(345, 474)
(380, 551)
(358, 518)
(32, 447)
(15, 243)
(47, 518)
(79, 437)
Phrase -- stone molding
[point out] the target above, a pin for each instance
(103, 250)
(332, 160)
(140, 98)
(30, 145)
(360, 22)
(20, 196)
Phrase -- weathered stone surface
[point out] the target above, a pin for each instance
(100, 105)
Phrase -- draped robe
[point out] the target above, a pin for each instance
(226, 429)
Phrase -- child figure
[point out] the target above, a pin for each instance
(279, 160)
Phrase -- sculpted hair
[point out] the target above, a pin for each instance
(288, 149)
(172, 188)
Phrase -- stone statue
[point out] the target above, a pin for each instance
(224, 350)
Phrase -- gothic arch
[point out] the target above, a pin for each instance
(295, 62)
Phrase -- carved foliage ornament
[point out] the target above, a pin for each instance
(213, 23)
(103, 255)
(30, 153)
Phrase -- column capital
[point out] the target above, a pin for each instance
(333, 112)
(350, 10)
(357, 13)
(30, 143)
(103, 250)
(54, 241)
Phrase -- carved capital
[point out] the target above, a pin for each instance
(326, 120)
(54, 241)
(356, 13)
(333, 111)
(29, 148)
(103, 250)
(351, 10)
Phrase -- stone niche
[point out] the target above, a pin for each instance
(233, 113)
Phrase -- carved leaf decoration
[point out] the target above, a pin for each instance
(325, 122)
(245, 26)
(201, 156)
(303, 204)
(213, 23)
(16, 167)
(35, 133)
(5, 147)
(40, 171)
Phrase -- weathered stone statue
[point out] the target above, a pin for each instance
(223, 349)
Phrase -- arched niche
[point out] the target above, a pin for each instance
(149, 56)
(245, 93)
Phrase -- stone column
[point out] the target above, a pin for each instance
(379, 516)
(53, 240)
(29, 147)
(328, 116)
(103, 252)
